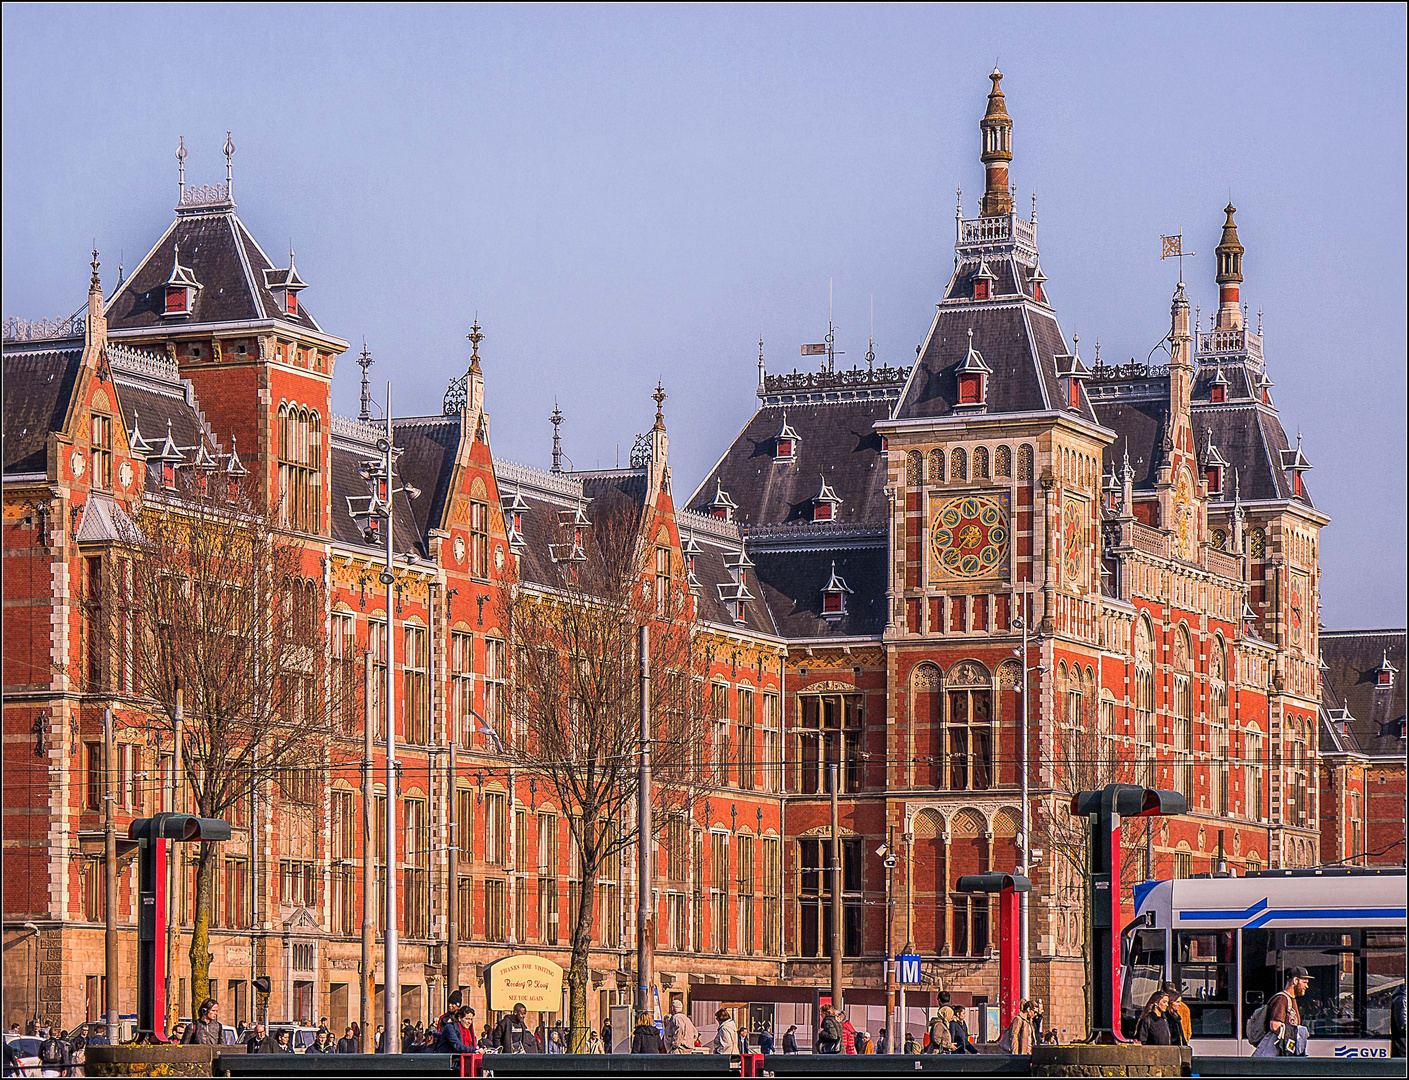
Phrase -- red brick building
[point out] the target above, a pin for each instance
(858, 558)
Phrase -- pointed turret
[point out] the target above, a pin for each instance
(997, 128)
(1229, 259)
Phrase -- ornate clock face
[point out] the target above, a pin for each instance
(1074, 541)
(459, 549)
(969, 537)
(76, 463)
(124, 474)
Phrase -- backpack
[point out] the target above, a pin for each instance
(1006, 1042)
(1256, 1029)
(941, 1035)
(51, 1051)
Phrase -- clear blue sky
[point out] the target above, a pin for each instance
(629, 193)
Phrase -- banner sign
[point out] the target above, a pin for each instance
(814, 350)
(534, 980)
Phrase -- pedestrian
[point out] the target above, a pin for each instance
(345, 1045)
(911, 1046)
(1151, 1029)
(881, 1042)
(283, 1042)
(1020, 1037)
(377, 1038)
(1285, 1035)
(939, 1038)
(322, 1043)
(765, 1039)
(645, 1039)
(864, 1043)
(205, 1030)
(848, 1036)
(467, 1029)
(513, 1036)
(829, 1035)
(790, 1040)
(726, 1038)
(451, 1039)
(1177, 1017)
(607, 1037)
(680, 1032)
(53, 1051)
(594, 1042)
(254, 1036)
(959, 1033)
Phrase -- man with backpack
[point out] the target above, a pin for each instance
(1275, 1028)
(54, 1054)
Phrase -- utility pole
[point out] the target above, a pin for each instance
(890, 861)
(645, 921)
(834, 777)
(391, 1038)
(110, 968)
(452, 925)
(369, 899)
(173, 1006)
(1024, 968)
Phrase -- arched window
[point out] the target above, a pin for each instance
(928, 725)
(1003, 462)
(1145, 695)
(1218, 724)
(1252, 774)
(1183, 712)
(981, 463)
(914, 469)
(1025, 462)
(936, 466)
(958, 464)
(300, 466)
(969, 708)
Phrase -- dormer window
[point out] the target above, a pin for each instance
(516, 522)
(1071, 372)
(723, 507)
(972, 376)
(983, 281)
(1214, 466)
(180, 287)
(285, 284)
(785, 442)
(168, 475)
(1218, 389)
(1294, 462)
(1384, 674)
(834, 595)
(825, 503)
(1038, 278)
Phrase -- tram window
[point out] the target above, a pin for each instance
(1330, 1006)
(1144, 971)
(1383, 957)
(1203, 968)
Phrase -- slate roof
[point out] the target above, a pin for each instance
(1010, 278)
(345, 479)
(793, 581)
(718, 541)
(546, 496)
(39, 378)
(1351, 659)
(1248, 435)
(1019, 341)
(427, 462)
(836, 442)
(226, 260)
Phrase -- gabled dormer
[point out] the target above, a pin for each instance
(1385, 673)
(834, 595)
(514, 509)
(285, 284)
(1218, 388)
(167, 460)
(1072, 374)
(1213, 464)
(1294, 462)
(181, 287)
(785, 442)
(138, 446)
(972, 376)
(1039, 279)
(690, 549)
(574, 524)
(1262, 388)
(825, 503)
(735, 592)
(723, 507)
(983, 280)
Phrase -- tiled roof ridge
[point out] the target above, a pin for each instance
(1391, 631)
(561, 485)
(605, 474)
(820, 529)
(354, 432)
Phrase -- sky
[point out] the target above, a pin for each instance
(626, 194)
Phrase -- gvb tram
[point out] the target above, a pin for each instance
(1228, 942)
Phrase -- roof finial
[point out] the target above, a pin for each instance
(1034, 206)
(660, 395)
(556, 419)
(230, 176)
(475, 337)
(95, 284)
(364, 362)
(958, 200)
(1259, 321)
(181, 164)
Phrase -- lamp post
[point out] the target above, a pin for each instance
(645, 908)
(110, 967)
(369, 900)
(1024, 968)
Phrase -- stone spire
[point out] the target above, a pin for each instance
(1229, 260)
(997, 128)
(556, 419)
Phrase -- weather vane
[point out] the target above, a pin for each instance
(1173, 248)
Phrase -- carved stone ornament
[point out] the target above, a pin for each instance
(215, 353)
(968, 673)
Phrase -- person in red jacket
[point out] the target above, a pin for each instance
(848, 1037)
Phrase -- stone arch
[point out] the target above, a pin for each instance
(1025, 462)
(1003, 462)
(928, 880)
(981, 463)
(927, 725)
(958, 464)
(914, 469)
(936, 466)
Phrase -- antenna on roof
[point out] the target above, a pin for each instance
(871, 344)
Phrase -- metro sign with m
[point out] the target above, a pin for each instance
(908, 969)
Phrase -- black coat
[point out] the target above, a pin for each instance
(1152, 1030)
(646, 1040)
(789, 1043)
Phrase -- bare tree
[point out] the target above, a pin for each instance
(206, 601)
(1085, 758)
(572, 714)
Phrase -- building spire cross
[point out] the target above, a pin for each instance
(229, 149)
(364, 362)
(556, 419)
(181, 164)
(659, 396)
(475, 336)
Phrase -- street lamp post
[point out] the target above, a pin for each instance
(1025, 840)
(645, 908)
